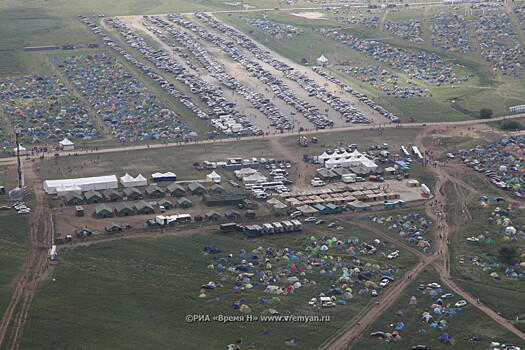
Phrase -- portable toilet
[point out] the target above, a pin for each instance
(79, 210)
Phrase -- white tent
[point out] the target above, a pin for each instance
(20, 149)
(141, 181)
(127, 180)
(67, 145)
(324, 157)
(255, 178)
(84, 184)
(213, 176)
(62, 190)
(322, 61)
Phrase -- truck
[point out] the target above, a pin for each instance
(303, 141)
(258, 230)
(348, 178)
(268, 229)
(250, 231)
(376, 178)
(297, 225)
(229, 227)
(278, 227)
(288, 226)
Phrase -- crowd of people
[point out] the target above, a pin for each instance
(449, 30)
(43, 109)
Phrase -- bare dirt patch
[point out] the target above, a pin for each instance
(309, 15)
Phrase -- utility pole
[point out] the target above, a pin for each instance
(17, 131)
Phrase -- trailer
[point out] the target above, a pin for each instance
(278, 227)
(268, 229)
(297, 225)
(229, 227)
(288, 226)
(53, 252)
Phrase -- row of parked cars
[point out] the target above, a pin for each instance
(279, 121)
(217, 71)
(182, 98)
(281, 90)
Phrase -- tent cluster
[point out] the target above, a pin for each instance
(509, 167)
(386, 82)
(44, 110)
(278, 30)
(420, 65)
(129, 110)
(449, 30)
(498, 41)
(364, 21)
(346, 159)
(409, 29)
(280, 272)
(182, 98)
(411, 226)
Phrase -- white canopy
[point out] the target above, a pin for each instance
(130, 181)
(322, 59)
(66, 142)
(214, 177)
(141, 180)
(84, 184)
(20, 149)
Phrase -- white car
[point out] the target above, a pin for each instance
(447, 296)
(288, 165)
(472, 239)
(384, 283)
(312, 302)
(311, 219)
(394, 255)
(450, 155)
(461, 303)
(24, 211)
(434, 285)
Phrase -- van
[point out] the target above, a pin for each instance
(317, 182)
(279, 178)
(260, 195)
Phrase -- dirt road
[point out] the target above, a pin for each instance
(33, 271)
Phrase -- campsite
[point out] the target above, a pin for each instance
(237, 175)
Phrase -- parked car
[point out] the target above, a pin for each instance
(319, 222)
(312, 302)
(384, 283)
(333, 224)
(461, 303)
(434, 285)
(447, 296)
(4, 207)
(394, 255)
(311, 219)
(373, 293)
(473, 239)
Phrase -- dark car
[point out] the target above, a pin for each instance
(377, 334)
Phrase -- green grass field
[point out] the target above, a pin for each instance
(13, 240)
(137, 292)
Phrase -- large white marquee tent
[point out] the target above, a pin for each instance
(130, 181)
(347, 160)
(81, 184)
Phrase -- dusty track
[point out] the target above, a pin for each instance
(33, 271)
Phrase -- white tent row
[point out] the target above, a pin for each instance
(351, 162)
(81, 184)
(345, 155)
(130, 181)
